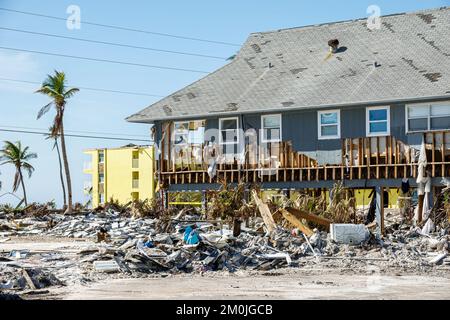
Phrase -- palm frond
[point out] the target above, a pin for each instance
(44, 110)
(68, 94)
(28, 168)
(29, 156)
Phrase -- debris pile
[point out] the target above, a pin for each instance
(116, 244)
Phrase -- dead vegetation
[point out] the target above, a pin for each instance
(340, 208)
(440, 213)
(230, 202)
(34, 209)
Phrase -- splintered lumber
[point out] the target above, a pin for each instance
(296, 222)
(28, 279)
(310, 217)
(265, 212)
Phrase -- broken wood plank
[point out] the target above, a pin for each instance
(310, 217)
(296, 222)
(28, 279)
(265, 212)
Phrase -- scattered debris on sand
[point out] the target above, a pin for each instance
(138, 245)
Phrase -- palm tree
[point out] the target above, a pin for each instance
(55, 88)
(56, 146)
(13, 153)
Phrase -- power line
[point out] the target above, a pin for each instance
(90, 89)
(76, 135)
(75, 131)
(122, 28)
(104, 60)
(112, 43)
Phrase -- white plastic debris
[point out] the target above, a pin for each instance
(438, 258)
(106, 266)
(428, 227)
(280, 255)
(349, 233)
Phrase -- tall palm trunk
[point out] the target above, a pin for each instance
(23, 187)
(61, 171)
(66, 166)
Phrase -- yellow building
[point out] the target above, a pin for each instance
(122, 174)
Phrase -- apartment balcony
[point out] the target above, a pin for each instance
(87, 167)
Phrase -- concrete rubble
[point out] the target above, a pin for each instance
(142, 247)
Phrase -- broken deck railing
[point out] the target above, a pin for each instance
(361, 158)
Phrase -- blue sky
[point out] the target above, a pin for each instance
(228, 21)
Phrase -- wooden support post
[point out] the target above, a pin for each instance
(169, 147)
(204, 202)
(162, 156)
(379, 212)
(378, 157)
(443, 174)
(351, 159)
(397, 162)
(360, 156)
(369, 155)
(165, 195)
(433, 154)
(420, 209)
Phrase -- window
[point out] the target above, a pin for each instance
(101, 157)
(378, 121)
(101, 198)
(271, 128)
(329, 124)
(189, 132)
(181, 133)
(228, 128)
(427, 117)
(135, 180)
(135, 160)
(101, 178)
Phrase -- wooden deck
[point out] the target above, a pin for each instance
(362, 158)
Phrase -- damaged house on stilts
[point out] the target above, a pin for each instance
(302, 108)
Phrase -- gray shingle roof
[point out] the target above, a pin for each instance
(412, 52)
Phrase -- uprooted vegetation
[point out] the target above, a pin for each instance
(33, 209)
(230, 202)
(148, 208)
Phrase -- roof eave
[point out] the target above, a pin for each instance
(297, 108)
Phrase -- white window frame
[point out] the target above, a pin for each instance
(429, 117)
(221, 142)
(262, 128)
(320, 125)
(175, 133)
(378, 134)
